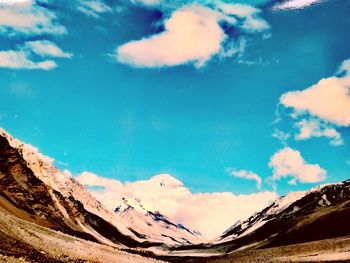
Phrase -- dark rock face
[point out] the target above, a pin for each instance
(24, 195)
(20, 187)
(320, 214)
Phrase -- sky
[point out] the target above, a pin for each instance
(241, 97)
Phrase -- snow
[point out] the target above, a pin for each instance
(167, 181)
(43, 169)
(254, 227)
(283, 202)
(136, 218)
(277, 207)
(144, 220)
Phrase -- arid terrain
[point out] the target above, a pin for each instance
(45, 217)
(22, 241)
(328, 250)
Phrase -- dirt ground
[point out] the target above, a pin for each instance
(22, 241)
(328, 250)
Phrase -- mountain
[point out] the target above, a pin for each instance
(302, 226)
(33, 189)
(155, 226)
(320, 213)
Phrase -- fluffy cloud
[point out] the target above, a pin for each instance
(328, 100)
(192, 34)
(211, 214)
(45, 48)
(246, 175)
(316, 128)
(321, 107)
(93, 8)
(28, 18)
(289, 163)
(20, 60)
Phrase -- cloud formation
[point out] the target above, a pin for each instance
(93, 8)
(192, 34)
(246, 175)
(281, 136)
(45, 48)
(328, 100)
(296, 4)
(28, 18)
(13, 59)
(315, 128)
(170, 197)
(321, 107)
(289, 163)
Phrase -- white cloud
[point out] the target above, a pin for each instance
(10, 2)
(152, 3)
(281, 136)
(344, 67)
(45, 48)
(246, 175)
(28, 18)
(93, 8)
(315, 128)
(296, 4)
(251, 20)
(192, 34)
(169, 196)
(19, 60)
(289, 163)
(328, 100)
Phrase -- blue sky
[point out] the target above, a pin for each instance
(97, 107)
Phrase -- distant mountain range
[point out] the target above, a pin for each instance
(34, 190)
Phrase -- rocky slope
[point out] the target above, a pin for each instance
(35, 190)
(30, 190)
(22, 241)
(323, 212)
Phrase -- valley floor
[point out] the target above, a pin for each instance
(22, 241)
(334, 250)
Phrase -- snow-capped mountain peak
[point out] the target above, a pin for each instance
(150, 224)
(166, 181)
(134, 219)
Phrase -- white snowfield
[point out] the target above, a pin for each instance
(154, 225)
